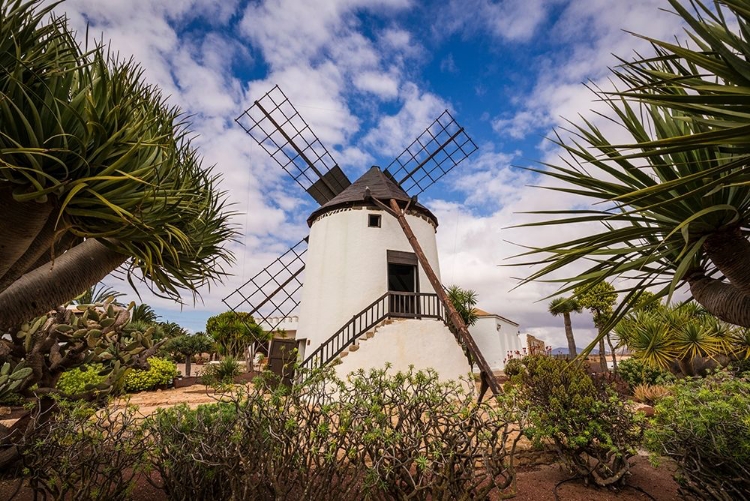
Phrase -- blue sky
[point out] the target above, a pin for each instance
(369, 76)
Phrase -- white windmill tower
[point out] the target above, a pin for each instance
(371, 256)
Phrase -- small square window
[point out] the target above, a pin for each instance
(373, 220)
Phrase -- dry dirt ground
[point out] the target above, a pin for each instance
(536, 482)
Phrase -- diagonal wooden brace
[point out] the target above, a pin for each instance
(488, 381)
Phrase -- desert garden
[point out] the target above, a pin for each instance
(98, 175)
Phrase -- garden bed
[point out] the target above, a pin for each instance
(535, 483)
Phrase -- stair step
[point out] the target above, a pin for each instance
(354, 347)
(369, 335)
(343, 354)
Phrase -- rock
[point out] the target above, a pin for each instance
(644, 408)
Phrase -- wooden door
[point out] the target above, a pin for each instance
(282, 358)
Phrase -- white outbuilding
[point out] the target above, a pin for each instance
(496, 337)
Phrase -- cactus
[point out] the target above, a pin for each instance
(10, 382)
(43, 348)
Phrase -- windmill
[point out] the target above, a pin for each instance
(345, 282)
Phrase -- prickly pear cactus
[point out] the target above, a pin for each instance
(69, 337)
(11, 381)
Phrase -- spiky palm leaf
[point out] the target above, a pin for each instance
(714, 71)
(143, 313)
(651, 341)
(465, 301)
(672, 211)
(677, 333)
(90, 153)
(563, 305)
(97, 294)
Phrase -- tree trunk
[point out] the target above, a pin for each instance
(40, 247)
(721, 299)
(47, 287)
(730, 251)
(66, 242)
(572, 351)
(187, 364)
(602, 355)
(20, 224)
(612, 350)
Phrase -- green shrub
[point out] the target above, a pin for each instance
(420, 438)
(80, 379)
(593, 430)
(220, 374)
(161, 372)
(704, 425)
(513, 367)
(382, 436)
(740, 366)
(83, 453)
(196, 450)
(636, 372)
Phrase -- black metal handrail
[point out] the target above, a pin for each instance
(389, 305)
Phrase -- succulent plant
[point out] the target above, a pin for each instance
(69, 337)
(10, 381)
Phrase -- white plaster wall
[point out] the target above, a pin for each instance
(493, 343)
(421, 343)
(346, 268)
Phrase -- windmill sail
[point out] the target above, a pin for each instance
(277, 126)
(272, 293)
(436, 151)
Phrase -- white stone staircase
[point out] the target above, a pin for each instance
(363, 338)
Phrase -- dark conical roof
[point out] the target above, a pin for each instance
(381, 187)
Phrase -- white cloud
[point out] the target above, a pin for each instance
(588, 33)
(393, 133)
(514, 20)
(382, 85)
(289, 31)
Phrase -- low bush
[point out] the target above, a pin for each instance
(161, 372)
(82, 453)
(420, 438)
(80, 379)
(636, 372)
(513, 367)
(196, 451)
(592, 429)
(704, 426)
(378, 436)
(221, 374)
(613, 381)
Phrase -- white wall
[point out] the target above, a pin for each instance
(495, 337)
(421, 343)
(346, 267)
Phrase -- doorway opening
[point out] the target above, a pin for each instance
(403, 280)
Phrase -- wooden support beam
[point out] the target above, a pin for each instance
(464, 336)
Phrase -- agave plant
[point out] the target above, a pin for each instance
(680, 337)
(95, 168)
(674, 204)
